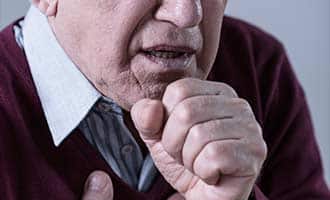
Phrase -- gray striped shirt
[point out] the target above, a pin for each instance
(69, 100)
(105, 129)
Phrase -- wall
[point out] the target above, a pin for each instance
(304, 28)
(302, 25)
(11, 10)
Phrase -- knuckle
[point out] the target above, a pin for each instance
(260, 149)
(254, 128)
(173, 150)
(227, 159)
(263, 150)
(244, 108)
(219, 152)
(213, 151)
(179, 90)
(229, 167)
(184, 113)
(227, 90)
(206, 173)
(243, 104)
(228, 164)
(219, 127)
(196, 133)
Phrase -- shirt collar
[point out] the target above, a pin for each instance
(65, 93)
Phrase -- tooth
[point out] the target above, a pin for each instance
(166, 54)
(158, 54)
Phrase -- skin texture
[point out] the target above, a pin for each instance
(98, 186)
(104, 39)
(203, 138)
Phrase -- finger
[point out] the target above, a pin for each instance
(189, 87)
(98, 186)
(197, 110)
(204, 133)
(147, 116)
(229, 157)
(176, 196)
(42, 5)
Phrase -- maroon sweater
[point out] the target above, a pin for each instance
(249, 60)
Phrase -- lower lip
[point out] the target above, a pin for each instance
(171, 63)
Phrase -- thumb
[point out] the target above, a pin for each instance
(147, 116)
(98, 186)
(176, 196)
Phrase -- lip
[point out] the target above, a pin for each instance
(182, 49)
(180, 62)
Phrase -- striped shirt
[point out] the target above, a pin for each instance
(69, 100)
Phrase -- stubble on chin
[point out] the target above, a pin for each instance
(128, 88)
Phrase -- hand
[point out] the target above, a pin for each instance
(204, 140)
(98, 186)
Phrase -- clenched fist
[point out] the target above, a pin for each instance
(204, 140)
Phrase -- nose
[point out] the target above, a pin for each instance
(182, 13)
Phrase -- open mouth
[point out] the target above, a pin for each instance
(169, 56)
(166, 54)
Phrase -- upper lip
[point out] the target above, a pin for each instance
(179, 49)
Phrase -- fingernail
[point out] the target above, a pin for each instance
(97, 182)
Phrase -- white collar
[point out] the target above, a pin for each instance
(65, 93)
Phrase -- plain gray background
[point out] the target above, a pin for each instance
(304, 28)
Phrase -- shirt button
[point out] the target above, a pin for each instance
(127, 149)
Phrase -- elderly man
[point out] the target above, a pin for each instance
(127, 99)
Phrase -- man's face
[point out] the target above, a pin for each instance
(132, 49)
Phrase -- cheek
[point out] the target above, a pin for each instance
(123, 88)
(153, 79)
(213, 12)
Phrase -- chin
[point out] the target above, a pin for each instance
(157, 91)
(126, 100)
(128, 90)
